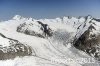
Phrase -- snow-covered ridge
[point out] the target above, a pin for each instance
(73, 25)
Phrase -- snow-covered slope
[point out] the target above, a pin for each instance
(49, 39)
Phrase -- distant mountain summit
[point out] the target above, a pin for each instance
(17, 17)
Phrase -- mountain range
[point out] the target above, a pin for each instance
(42, 42)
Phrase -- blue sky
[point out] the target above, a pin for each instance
(48, 8)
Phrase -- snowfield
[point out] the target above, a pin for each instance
(47, 50)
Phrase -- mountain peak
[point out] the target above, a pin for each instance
(89, 17)
(17, 17)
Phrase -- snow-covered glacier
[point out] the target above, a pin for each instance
(67, 41)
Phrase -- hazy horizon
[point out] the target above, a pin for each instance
(48, 8)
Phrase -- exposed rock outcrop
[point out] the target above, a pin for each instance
(13, 48)
(89, 42)
(35, 29)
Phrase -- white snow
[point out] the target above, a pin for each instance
(4, 42)
(44, 48)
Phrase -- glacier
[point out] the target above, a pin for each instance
(46, 45)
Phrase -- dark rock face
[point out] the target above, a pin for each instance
(46, 29)
(89, 43)
(14, 49)
(96, 19)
